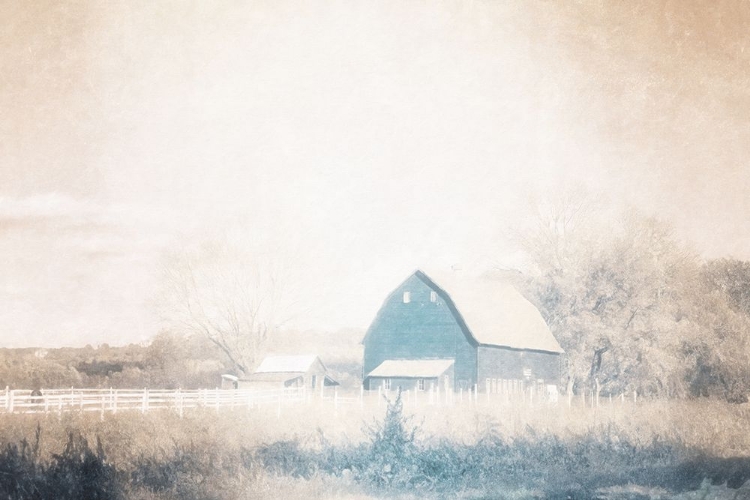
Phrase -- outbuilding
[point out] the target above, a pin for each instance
(288, 371)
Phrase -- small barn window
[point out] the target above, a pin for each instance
(527, 373)
(407, 297)
(433, 296)
(420, 384)
(387, 384)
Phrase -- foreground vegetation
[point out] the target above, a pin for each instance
(657, 449)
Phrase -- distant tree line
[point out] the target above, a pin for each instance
(169, 361)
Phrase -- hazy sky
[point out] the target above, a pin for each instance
(366, 139)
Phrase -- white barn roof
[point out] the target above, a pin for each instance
(494, 312)
(411, 368)
(286, 364)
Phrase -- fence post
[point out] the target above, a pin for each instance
(10, 402)
(144, 403)
(488, 393)
(380, 394)
(476, 393)
(622, 398)
(635, 396)
(114, 402)
(598, 388)
(361, 396)
(179, 402)
(46, 403)
(7, 398)
(531, 395)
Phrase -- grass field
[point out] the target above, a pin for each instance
(652, 449)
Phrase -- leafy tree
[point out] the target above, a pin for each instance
(616, 297)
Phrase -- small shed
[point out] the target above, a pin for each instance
(411, 374)
(288, 371)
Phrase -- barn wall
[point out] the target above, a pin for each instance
(406, 384)
(417, 330)
(504, 363)
(410, 383)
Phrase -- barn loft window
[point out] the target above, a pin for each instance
(387, 384)
(420, 384)
(407, 297)
(527, 373)
(433, 296)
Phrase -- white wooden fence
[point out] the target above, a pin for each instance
(144, 400)
(115, 400)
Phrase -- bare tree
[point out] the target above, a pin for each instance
(226, 293)
(556, 230)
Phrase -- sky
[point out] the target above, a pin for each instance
(357, 141)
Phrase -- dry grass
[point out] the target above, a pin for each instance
(221, 439)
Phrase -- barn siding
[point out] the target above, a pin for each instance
(406, 384)
(410, 383)
(504, 363)
(417, 330)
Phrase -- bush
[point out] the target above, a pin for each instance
(541, 465)
(77, 473)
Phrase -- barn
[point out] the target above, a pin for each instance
(454, 331)
(287, 371)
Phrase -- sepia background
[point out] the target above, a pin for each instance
(186, 187)
(354, 142)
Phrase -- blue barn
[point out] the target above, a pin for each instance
(456, 332)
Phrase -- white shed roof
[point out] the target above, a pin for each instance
(286, 364)
(411, 368)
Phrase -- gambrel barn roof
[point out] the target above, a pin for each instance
(492, 312)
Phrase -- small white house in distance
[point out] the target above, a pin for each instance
(286, 371)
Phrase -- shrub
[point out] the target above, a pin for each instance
(77, 473)
(392, 458)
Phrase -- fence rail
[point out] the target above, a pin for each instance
(115, 400)
(144, 400)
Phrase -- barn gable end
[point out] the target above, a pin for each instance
(423, 327)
